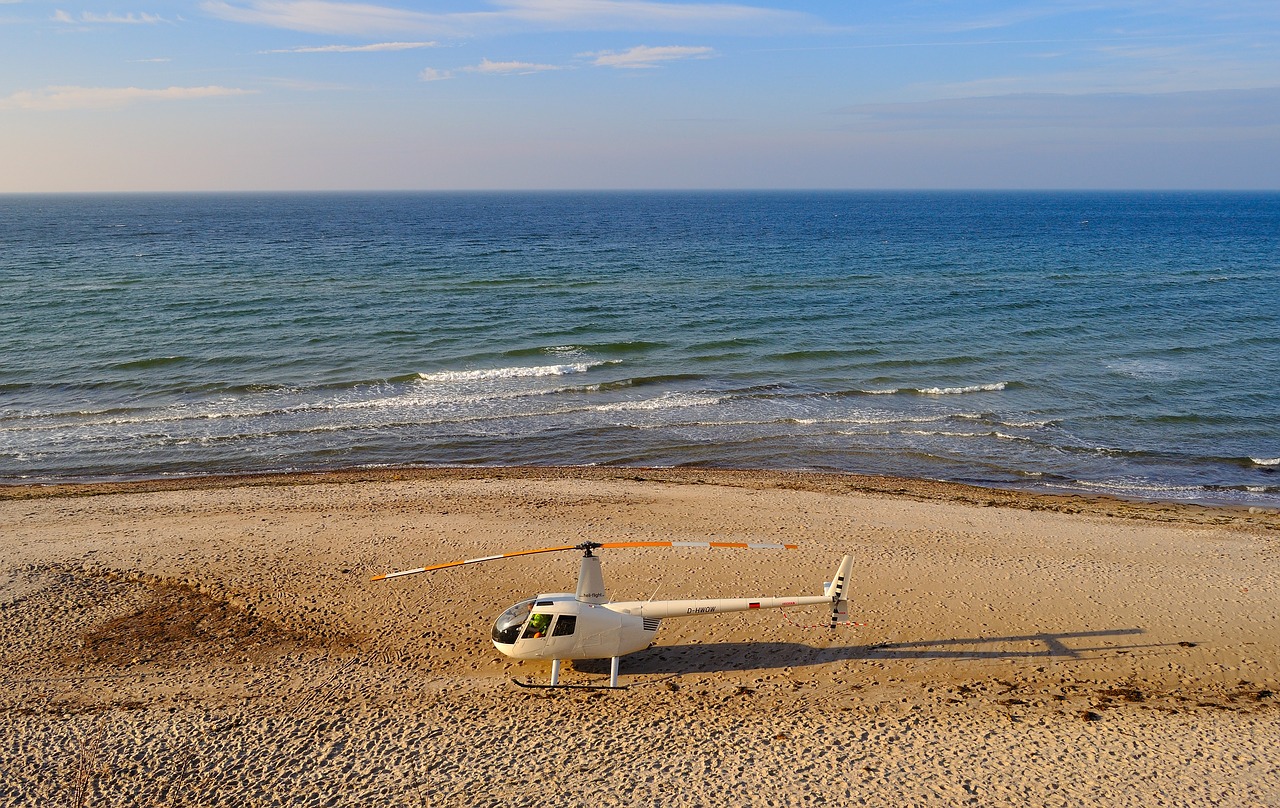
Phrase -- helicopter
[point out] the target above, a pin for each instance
(585, 624)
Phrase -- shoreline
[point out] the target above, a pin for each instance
(920, 490)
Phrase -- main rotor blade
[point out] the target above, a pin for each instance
(588, 546)
(741, 544)
(473, 561)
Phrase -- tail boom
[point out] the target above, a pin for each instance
(665, 609)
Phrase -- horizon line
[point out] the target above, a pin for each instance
(637, 190)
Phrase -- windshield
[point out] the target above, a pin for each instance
(507, 627)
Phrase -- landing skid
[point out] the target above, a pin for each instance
(569, 687)
(555, 679)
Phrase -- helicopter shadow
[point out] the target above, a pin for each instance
(749, 656)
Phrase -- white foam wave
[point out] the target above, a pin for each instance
(1139, 487)
(423, 397)
(988, 418)
(666, 401)
(1266, 461)
(509, 373)
(938, 391)
(976, 388)
(869, 419)
(1147, 369)
(936, 433)
(1007, 436)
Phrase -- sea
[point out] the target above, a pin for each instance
(1100, 343)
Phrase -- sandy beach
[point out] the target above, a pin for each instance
(219, 642)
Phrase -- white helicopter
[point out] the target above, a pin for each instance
(586, 625)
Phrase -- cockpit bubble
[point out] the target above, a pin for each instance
(507, 627)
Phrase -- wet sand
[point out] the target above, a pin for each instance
(218, 642)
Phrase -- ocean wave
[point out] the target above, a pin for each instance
(1248, 489)
(948, 434)
(148, 364)
(935, 391)
(256, 403)
(992, 418)
(666, 401)
(420, 398)
(951, 391)
(511, 372)
(271, 404)
(732, 342)
(607, 348)
(868, 419)
(824, 353)
(1145, 489)
(635, 381)
(1154, 490)
(1265, 461)
(1146, 369)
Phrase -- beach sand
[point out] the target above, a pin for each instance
(219, 642)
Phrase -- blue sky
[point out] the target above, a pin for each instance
(464, 94)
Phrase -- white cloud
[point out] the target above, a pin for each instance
(323, 17)
(330, 17)
(67, 97)
(502, 68)
(644, 56)
(374, 48)
(603, 14)
(489, 67)
(641, 56)
(90, 18)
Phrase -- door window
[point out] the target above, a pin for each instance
(537, 627)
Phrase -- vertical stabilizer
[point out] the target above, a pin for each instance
(591, 581)
(838, 587)
(838, 591)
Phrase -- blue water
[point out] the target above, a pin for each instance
(1117, 343)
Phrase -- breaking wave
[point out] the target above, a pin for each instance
(510, 373)
(666, 401)
(938, 391)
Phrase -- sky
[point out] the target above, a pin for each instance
(257, 95)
